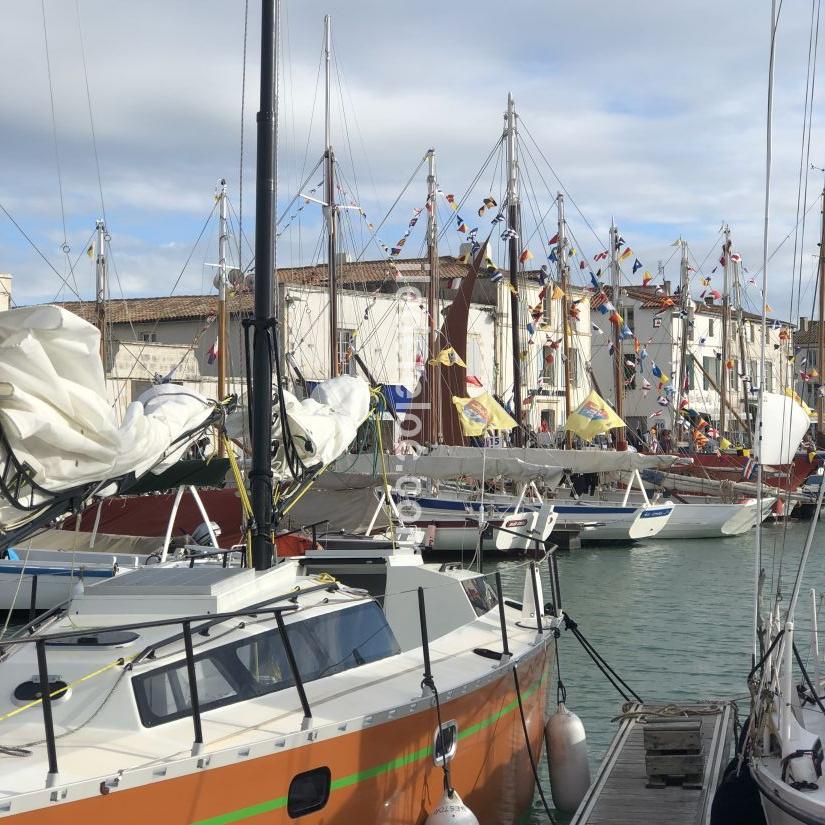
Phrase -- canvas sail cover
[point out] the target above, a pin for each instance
(321, 426)
(57, 420)
(784, 423)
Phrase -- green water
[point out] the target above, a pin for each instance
(673, 618)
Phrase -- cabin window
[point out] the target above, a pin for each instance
(256, 666)
(308, 792)
(480, 593)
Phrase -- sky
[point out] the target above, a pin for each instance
(649, 113)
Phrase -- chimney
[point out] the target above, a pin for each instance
(803, 323)
(667, 287)
(709, 300)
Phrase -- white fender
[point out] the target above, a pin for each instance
(451, 810)
(567, 756)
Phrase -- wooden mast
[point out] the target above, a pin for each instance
(684, 294)
(723, 375)
(101, 289)
(564, 273)
(260, 476)
(331, 212)
(223, 242)
(743, 350)
(513, 224)
(820, 360)
(618, 361)
(435, 430)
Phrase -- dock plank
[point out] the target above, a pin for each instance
(619, 794)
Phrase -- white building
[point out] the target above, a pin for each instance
(656, 323)
(382, 317)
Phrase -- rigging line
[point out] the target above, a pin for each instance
(470, 188)
(558, 179)
(389, 211)
(312, 110)
(297, 195)
(243, 114)
(91, 117)
(76, 262)
(54, 123)
(37, 250)
(338, 73)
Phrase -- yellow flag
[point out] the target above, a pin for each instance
(91, 250)
(724, 444)
(626, 253)
(793, 394)
(481, 414)
(557, 293)
(592, 417)
(448, 356)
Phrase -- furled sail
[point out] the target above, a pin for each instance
(58, 431)
(321, 426)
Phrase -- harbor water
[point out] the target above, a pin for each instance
(673, 618)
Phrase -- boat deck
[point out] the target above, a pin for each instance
(620, 794)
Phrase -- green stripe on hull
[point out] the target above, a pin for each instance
(369, 773)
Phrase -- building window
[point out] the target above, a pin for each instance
(733, 374)
(753, 332)
(689, 374)
(710, 327)
(768, 376)
(629, 367)
(630, 318)
(346, 348)
(547, 421)
(657, 321)
(149, 337)
(754, 373)
(547, 368)
(710, 363)
(573, 367)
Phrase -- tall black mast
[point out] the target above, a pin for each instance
(260, 476)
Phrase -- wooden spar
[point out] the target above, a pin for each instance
(743, 351)
(820, 401)
(564, 270)
(618, 360)
(723, 389)
(223, 238)
(684, 293)
(513, 244)
(434, 433)
(715, 386)
(331, 212)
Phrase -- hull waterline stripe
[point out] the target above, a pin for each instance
(353, 779)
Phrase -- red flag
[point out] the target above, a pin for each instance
(554, 239)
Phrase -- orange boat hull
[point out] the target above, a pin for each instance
(384, 774)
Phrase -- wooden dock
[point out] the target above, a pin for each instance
(621, 793)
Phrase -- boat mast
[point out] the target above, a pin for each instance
(435, 434)
(564, 273)
(100, 288)
(743, 350)
(723, 377)
(332, 216)
(684, 294)
(260, 476)
(513, 250)
(223, 242)
(820, 360)
(618, 361)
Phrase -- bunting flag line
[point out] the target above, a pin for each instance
(646, 278)
(600, 256)
(626, 253)
(554, 239)
(527, 255)
(509, 233)
(301, 209)
(637, 265)
(557, 293)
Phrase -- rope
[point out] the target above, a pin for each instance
(665, 712)
(61, 690)
(601, 663)
(530, 750)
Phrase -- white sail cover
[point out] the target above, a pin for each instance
(575, 461)
(440, 468)
(322, 426)
(784, 423)
(57, 418)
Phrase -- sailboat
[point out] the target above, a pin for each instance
(356, 689)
